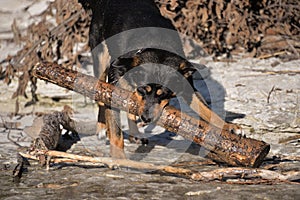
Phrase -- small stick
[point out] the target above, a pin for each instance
(272, 55)
(269, 94)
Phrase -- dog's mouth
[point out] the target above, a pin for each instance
(146, 120)
(152, 114)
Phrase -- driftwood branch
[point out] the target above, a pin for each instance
(252, 176)
(224, 146)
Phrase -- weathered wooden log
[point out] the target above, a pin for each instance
(224, 146)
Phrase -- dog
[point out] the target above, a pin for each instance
(147, 58)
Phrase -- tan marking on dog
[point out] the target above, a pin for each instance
(164, 103)
(205, 113)
(138, 98)
(135, 61)
(158, 108)
(182, 65)
(104, 59)
(199, 105)
(148, 88)
(159, 92)
(186, 75)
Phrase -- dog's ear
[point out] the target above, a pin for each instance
(128, 62)
(186, 69)
(121, 62)
(117, 69)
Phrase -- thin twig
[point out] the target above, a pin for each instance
(265, 56)
(11, 140)
(269, 94)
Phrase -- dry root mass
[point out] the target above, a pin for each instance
(260, 29)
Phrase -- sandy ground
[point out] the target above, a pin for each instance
(241, 88)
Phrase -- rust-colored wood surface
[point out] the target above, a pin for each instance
(224, 146)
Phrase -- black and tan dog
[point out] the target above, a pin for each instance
(147, 56)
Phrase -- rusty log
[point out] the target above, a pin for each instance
(224, 146)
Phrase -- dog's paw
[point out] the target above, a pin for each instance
(233, 128)
(101, 134)
(136, 140)
(101, 131)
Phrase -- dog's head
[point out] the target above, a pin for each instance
(155, 97)
(156, 74)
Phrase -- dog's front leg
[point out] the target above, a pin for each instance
(198, 105)
(100, 71)
(114, 134)
(101, 122)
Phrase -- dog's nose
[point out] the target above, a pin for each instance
(145, 119)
